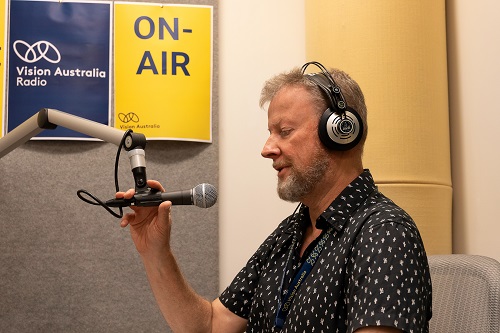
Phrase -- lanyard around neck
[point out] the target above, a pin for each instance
(305, 269)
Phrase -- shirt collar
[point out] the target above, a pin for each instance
(341, 208)
(349, 200)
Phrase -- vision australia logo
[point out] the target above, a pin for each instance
(42, 52)
(38, 51)
(131, 120)
(128, 117)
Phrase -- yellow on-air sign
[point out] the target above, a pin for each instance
(163, 70)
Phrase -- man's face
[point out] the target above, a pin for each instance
(293, 143)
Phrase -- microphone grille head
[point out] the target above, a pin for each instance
(204, 195)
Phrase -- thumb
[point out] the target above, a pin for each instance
(164, 220)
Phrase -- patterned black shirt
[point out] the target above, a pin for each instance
(373, 270)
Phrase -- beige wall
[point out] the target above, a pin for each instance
(260, 38)
(396, 51)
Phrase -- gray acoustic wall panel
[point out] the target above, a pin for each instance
(67, 266)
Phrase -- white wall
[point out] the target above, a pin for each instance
(474, 81)
(260, 38)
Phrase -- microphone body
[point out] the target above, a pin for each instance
(184, 197)
(202, 195)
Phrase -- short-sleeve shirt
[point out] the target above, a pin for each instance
(372, 271)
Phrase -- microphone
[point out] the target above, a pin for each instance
(202, 195)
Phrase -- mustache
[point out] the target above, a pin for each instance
(281, 165)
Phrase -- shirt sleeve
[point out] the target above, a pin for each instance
(237, 297)
(390, 282)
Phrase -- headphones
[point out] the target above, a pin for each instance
(340, 127)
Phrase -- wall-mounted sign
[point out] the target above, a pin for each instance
(163, 70)
(59, 58)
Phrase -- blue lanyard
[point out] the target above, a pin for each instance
(305, 269)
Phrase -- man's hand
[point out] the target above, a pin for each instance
(149, 226)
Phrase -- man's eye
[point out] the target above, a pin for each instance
(285, 132)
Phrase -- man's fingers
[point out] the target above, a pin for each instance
(156, 185)
(131, 192)
(127, 219)
(127, 195)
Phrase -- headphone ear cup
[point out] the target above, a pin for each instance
(340, 131)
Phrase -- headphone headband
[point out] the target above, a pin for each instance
(327, 84)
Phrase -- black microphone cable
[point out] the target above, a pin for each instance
(98, 202)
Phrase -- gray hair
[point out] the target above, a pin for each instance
(350, 89)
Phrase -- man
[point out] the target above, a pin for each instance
(348, 259)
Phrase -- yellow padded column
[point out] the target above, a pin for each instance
(396, 51)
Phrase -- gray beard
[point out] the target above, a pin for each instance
(299, 184)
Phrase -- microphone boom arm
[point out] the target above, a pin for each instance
(133, 143)
(202, 195)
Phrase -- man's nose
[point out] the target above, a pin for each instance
(270, 149)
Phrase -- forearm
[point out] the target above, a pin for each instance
(182, 308)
